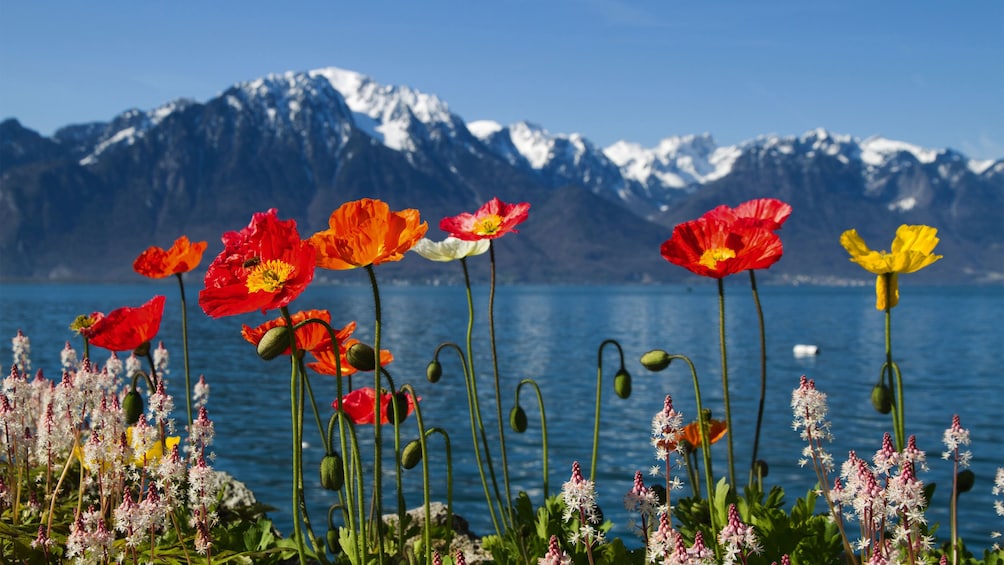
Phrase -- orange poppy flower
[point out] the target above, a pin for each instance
(262, 267)
(158, 263)
(771, 213)
(358, 405)
(692, 432)
(493, 220)
(715, 248)
(365, 232)
(309, 337)
(325, 363)
(125, 329)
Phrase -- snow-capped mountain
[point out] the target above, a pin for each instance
(307, 141)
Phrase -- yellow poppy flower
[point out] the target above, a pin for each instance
(912, 250)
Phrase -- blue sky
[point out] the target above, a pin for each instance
(929, 73)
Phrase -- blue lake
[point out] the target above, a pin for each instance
(946, 340)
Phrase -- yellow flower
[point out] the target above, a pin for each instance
(912, 250)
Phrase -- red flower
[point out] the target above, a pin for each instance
(158, 263)
(491, 221)
(125, 329)
(358, 405)
(325, 363)
(769, 212)
(715, 248)
(309, 337)
(263, 266)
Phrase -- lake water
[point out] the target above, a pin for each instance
(946, 340)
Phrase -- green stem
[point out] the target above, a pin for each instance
(184, 342)
(507, 517)
(599, 389)
(543, 428)
(377, 436)
(895, 378)
(763, 380)
(427, 531)
(297, 442)
(725, 382)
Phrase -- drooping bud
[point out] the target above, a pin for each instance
(965, 480)
(332, 471)
(517, 419)
(274, 343)
(412, 454)
(132, 406)
(142, 349)
(622, 383)
(882, 398)
(334, 545)
(760, 468)
(656, 360)
(361, 357)
(397, 416)
(434, 371)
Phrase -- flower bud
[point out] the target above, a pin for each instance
(132, 406)
(274, 343)
(517, 419)
(334, 545)
(412, 454)
(656, 360)
(361, 357)
(882, 398)
(142, 350)
(965, 480)
(332, 472)
(622, 383)
(760, 468)
(434, 371)
(399, 415)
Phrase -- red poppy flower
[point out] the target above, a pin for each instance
(263, 266)
(309, 337)
(366, 232)
(358, 405)
(714, 248)
(325, 363)
(491, 221)
(158, 263)
(771, 213)
(125, 329)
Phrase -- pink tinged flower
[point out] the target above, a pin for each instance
(459, 558)
(886, 458)
(667, 429)
(769, 213)
(200, 392)
(493, 220)
(640, 498)
(955, 437)
(663, 541)
(202, 433)
(555, 555)
(738, 539)
(21, 346)
(699, 551)
(579, 494)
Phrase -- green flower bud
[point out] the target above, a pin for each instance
(882, 398)
(132, 406)
(274, 343)
(142, 350)
(412, 454)
(334, 545)
(622, 383)
(332, 471)
(760, 468)
(517, 419)
(965, 480)
(656, 360)
(399, 415)
(361, 357)
(434, 371)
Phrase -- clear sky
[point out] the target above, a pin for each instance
(929, 73)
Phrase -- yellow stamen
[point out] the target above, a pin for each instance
(488, 225)
(269, 276)
(711, 257)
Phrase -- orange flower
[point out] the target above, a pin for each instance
(692, 432)
(125, 329)
(358, 405)
(309, 337)
(325, 363)
(262, 267)
(365, 232)
(491, 221)
(158, 263)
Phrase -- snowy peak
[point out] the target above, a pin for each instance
(676, 162)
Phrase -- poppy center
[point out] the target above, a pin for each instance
(711, 257)
(488, 225)
(269, 276)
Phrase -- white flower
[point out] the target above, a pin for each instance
(450, 249)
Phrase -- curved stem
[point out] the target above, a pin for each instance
(543, 428)
(377, 436)
(184, 342)
(725, 381)
(507, 517)
(294, 410)
(763, 380)
(599, 389)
